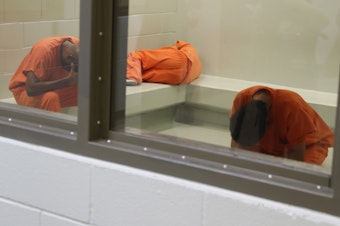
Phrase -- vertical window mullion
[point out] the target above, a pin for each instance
(94, 98)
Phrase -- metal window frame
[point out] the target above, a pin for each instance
(100, 131)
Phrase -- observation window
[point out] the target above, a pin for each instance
(128, 112)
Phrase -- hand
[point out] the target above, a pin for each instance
(73, 76)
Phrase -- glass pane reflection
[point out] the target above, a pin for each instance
(288, 44)
(39, 44)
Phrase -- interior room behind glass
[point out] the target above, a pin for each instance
(22, 24)
(288, 44)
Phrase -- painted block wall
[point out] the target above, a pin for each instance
(297, 46)
(46, 187)
(152, 24)
(295, 43)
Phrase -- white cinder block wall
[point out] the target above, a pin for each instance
(294, 43)
(45, 187)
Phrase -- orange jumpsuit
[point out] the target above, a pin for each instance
(176, 64)
(291, 121)
(44, 60)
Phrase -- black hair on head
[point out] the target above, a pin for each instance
(248, 124)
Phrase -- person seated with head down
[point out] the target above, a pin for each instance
(47, 77)
(280, 123)
(176, 64)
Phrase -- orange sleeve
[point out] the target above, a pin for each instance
(36, 60)
(44, 60)
(301, 122)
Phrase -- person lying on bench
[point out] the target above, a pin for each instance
(176, 64)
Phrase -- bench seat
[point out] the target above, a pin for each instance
(219, 92)
(211, 92)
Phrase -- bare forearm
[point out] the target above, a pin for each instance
(39, 88)
(35, 87)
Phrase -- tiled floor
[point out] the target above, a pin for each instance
(216, 136)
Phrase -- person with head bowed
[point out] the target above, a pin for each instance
(48, 75)
(280, 123)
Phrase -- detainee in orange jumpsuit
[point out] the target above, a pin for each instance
(176, 64)
(47, 76)
(293, 129)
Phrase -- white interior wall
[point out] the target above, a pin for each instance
(152, 24)
(295, 43)
(46, 187)
(291, 43)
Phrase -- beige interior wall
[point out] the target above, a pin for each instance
(295, 43)
(152, 24)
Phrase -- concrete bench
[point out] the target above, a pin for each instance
(219, 92)
(210, 91)
(153, 96)
(66, 110)
(140, 99)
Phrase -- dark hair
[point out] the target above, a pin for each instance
(248, 124)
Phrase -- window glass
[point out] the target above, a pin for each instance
(39, 42)
(230, 46)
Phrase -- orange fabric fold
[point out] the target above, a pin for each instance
(176, 64)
